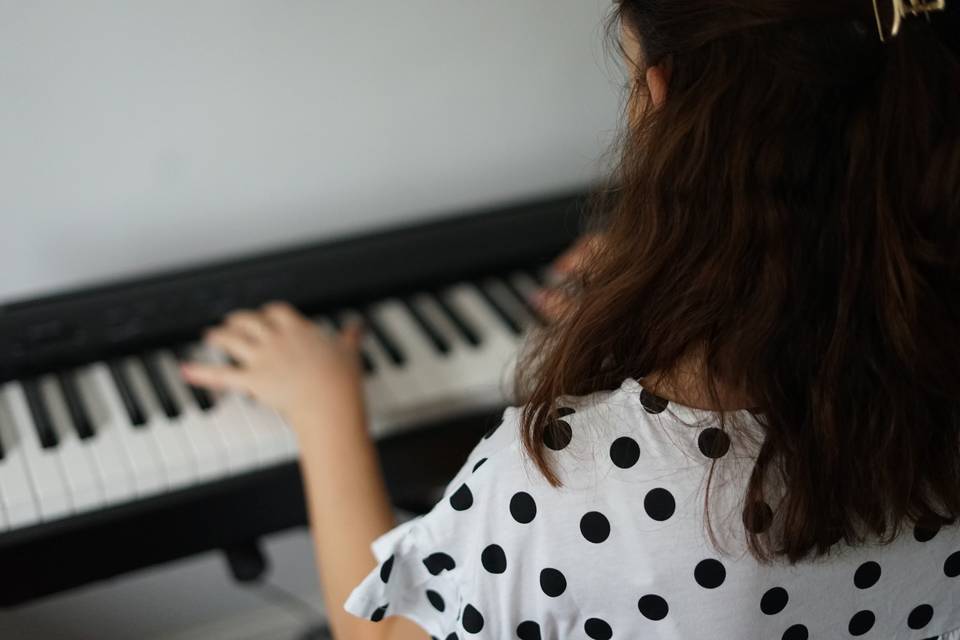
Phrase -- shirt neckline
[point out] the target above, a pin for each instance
(685, 412)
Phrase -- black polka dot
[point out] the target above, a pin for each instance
(866, 575)
(436, 600)
(494, 559)
(920, 616)
(709, 573)
(796, 632)
(563, 412)
(757, 517)
(461, 499)
(597, 629)
(558, 435)
(652, 403)
(624, 452)
(713, 442)
(595, 527)
(452, 636)
(861, 622)
(653, 607)
(951, 567)
(472, 620)
(437, 562)
(552, 582)
(479, 462)
(522, 507)
(774, 601)
(659, 504)
(925, 530)
(528, 630)
(378, 613)
(386, 568)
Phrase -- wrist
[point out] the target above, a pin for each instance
(322, 417)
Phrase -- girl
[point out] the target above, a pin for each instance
(746, 422)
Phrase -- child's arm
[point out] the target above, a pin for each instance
(314, 380)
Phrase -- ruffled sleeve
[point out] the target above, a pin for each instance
(420, 572)
(411, 581)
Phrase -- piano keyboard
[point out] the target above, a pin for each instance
(109, 432)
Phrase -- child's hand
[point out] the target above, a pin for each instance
(554, 300)
(284, 360)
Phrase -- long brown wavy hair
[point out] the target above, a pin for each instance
(791, 211)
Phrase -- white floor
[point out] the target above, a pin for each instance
(187, 600)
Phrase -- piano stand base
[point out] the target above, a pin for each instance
(247, 562)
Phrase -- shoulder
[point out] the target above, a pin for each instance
(502, 538)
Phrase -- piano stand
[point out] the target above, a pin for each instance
(246, 561)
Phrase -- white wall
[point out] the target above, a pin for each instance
(138, 135)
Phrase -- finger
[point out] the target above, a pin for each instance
(352, 334)
(282, 314)
(232, 342)
(254, 325)
(215, 377)
(573, 258)
(552, 303)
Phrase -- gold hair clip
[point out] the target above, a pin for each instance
(905, 8)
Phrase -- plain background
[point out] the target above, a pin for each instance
(137, 136)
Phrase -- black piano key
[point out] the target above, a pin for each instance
(78, 411)
(41, 416)
(501, 312)
(159, 386)
(539, 275)
(462, 324)
(130, 402)
(526, 302)
(365, 359)
(202, 397)
(387, 342)
(438, 341)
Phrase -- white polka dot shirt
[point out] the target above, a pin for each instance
(621, 550)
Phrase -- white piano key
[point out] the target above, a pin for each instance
(430, 309)
(20, 505)
(79, 471)
(498, 346)
(290, 448)
(111, 461)
(171, 442)
(43, 466)
(465, 364)
(275, 441)
(392, 389)
(424, 366)
(205, 443)
(244, 446)
(467, 301)
(138, 444)
(238, 439)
